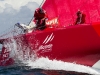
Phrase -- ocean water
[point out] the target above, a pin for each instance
(23, 70)
(44, 66)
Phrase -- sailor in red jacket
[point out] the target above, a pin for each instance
(39, 21)
(40, 18)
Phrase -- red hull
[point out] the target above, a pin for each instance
(79, 44)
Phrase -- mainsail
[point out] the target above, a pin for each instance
(66, 10)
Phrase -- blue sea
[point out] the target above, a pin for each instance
(44, 66)
(25, 70)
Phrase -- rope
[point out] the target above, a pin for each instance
(41, 4)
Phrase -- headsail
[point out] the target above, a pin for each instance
(66, 10)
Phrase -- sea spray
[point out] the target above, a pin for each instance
(45, 63)
(19, 50)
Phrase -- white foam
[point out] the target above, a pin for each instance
(45, 63)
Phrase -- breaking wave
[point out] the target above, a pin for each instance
(22, 55)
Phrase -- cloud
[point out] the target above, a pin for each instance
(17, 4)
(13, 11)
(9, 9)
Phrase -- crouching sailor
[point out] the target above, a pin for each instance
(40, 17)
(38, 23)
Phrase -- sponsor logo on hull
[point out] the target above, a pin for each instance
(46, 45)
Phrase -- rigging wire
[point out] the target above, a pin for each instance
(4, 33)
(39, 7)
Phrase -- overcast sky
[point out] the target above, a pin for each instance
(13, 11)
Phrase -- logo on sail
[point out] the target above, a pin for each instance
(52, 22)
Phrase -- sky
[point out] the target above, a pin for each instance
(16, 11)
